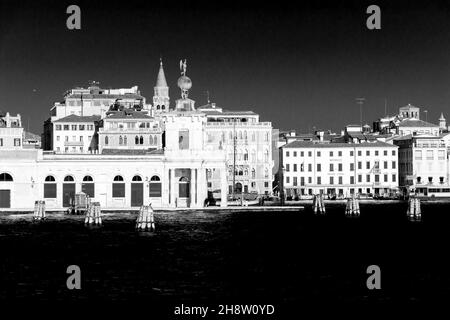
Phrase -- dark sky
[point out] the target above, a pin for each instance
(298, 66)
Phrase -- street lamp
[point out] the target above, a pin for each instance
(282, 185)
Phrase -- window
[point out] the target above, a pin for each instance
(319, 180)
(5, 177)
(68, 179)
(74, 127)
(319, 167)
(295, 182)
(359, 153)
(331, 180)
(253, 173)
(81, 127)
(49, 187)
(368, 178)
(359, 178)
(88, 186)
(295, 153)
(318, 153)
(376, 152)
(393, 152)
(155, 187)
(352, 180)
(368, 165)
(136, 140)
(1, 142)
(418, 154)
(441, 155)
(106, 140)
(183, 187)
(151, 140)
(430, 180)
(287, 153)
(385, 152)
(368, 153)
(340, 180)
(385, 178)
(331, 153)
(287, 167)
(340, 153)
(352, 166)
(120, 140)
(17, 142)
(58, 127)
(351, 153)
(385, 164)
(183, 139)
(331, 167)
(125, 140)
(430, 155)
(309, 167)
(309, 154)
(340, 167)
(66, 127)
(359, 165)
(377, 178)
(141, 140)
(394, 164)
(136, 179)
(295, 167)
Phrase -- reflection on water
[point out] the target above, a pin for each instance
(272, 257)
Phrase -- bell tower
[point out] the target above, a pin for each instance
(161, 98)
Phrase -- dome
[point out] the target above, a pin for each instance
(184, 83)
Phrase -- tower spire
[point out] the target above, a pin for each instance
(161, 80)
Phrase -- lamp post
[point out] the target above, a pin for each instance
(282, 185)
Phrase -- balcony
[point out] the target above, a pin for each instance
(239, 124)
(73, 143)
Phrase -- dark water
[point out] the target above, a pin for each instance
(287, 259)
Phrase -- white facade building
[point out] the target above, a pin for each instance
(339, 168)
(11, 132)
(75, 134)
(424, 163)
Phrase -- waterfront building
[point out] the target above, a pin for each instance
(424, 163)
(129, 130)
(247, 143)
(124, 153)
(75, 134)
(339, 169)
(11, 131)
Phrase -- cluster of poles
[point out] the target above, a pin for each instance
(352, 207)
(93, 217)
(93, 214)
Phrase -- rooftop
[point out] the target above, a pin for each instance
(75, 118)
(412, 122)
(128, 114)
(310, 144)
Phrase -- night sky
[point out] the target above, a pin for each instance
(299, 66)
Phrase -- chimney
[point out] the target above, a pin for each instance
(321, 133)
(292, 133)
(213, 104)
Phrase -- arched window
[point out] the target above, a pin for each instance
(118, 187)
(163, 107)
(266, 155)
(155, 187)
(183, 187)
(240, 134)
(246, 155)
(125, 140)
(158, 107)
(253, 173)
(136, 140)
(136, 178)
(5, 177)
(106, 140)
(68, 179)
(151, 140)
(245, 135)
(155, 140)
(246, 172)
(120, 140)
(141, 140)
(266, 173)
(50, 187)
(88, 186)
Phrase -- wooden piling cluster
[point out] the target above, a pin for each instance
(352, 208)
(39, 210)
(93, 214)
(145, 220)
(414, 211)
(318, 204)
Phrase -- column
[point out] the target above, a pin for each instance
(223, 187)
(192, 189)
(202, 192)
(165, 191)
(172, 187)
